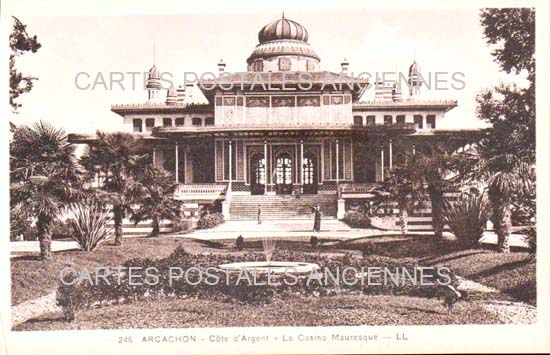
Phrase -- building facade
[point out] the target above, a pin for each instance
(283, 127)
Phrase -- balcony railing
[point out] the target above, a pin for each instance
(201, 191)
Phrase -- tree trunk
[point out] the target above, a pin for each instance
(117, 217)
(503, 224)
(156, 227)
(45, 239)
(436, 200)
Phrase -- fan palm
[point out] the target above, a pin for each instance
(155, 196)
(44, 177)
(118, 158)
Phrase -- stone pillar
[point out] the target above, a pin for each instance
(187, 166)
(390, 155)
(154, 156)
(177, 172)
(337, 164)
(266, 168)
(341, 211)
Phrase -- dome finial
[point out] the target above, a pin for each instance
(283, 14)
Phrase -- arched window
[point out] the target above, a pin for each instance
(400, 119)
(197, 121)
(388, 120)
(358, 120)
(284, 64)
(430, 121)
(149, 124)
(209, 121)
(371, 120)
(138, 125)
(166, 122)
(180, 122)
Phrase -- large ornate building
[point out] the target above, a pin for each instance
(284, 127)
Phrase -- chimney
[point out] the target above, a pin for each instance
(221, 66)
(345, 66)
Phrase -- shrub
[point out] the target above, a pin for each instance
(61, 229)
(210, 220)
(89, 224)
(531, 237)
(370, 248)
(181, 225)
(239, 243)
(467, 217)
(314, 241)
(357, 220)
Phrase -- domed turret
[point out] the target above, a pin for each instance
(283, 29)
(172, 96)
(415, 81)
(283, 47)
(153, 83)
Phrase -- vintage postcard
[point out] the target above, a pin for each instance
(275, 178)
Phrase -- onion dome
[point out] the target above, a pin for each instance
(153, 79)
(172, 96)
(283, 37)
(283, 29)
(414, 69)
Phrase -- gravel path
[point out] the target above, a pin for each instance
(33, 308)
(508, 312)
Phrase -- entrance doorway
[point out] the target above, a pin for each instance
(310, 177)
(283, 174)
(257, 174)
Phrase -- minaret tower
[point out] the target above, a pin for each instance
(153, 84)
(415, 80)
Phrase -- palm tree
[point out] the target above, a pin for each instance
(436, 164)
(118, 158)
(156, 201)
(508, 178)
(404, 183)
(44, 177)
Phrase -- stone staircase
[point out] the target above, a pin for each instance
(245, 207)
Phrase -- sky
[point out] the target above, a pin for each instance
(373, 41)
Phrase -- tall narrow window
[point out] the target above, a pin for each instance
(358, 120)
(259, 65)
(137, 125)
(400, 119)
(430, 121)
(388, 120)
(149, 124)
(418, 121)
(166, 122)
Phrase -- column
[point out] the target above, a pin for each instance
(337, 163)
(177, 173)
(154, 156)
(382, 164)
(230, 160)
(266, 168)
(390, 155)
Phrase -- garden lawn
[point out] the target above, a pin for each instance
(33, 278)
(299, 311)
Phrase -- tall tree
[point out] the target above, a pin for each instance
(44, 177)
(506, 155)
(20, 43)
(155, 196)
(118, 158)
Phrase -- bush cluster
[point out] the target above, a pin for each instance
(210, 220)
(357, 219)
(83, 294)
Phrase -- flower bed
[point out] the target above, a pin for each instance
(111, 288)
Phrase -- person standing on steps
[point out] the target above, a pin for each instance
(259, 214)
(317, 219)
